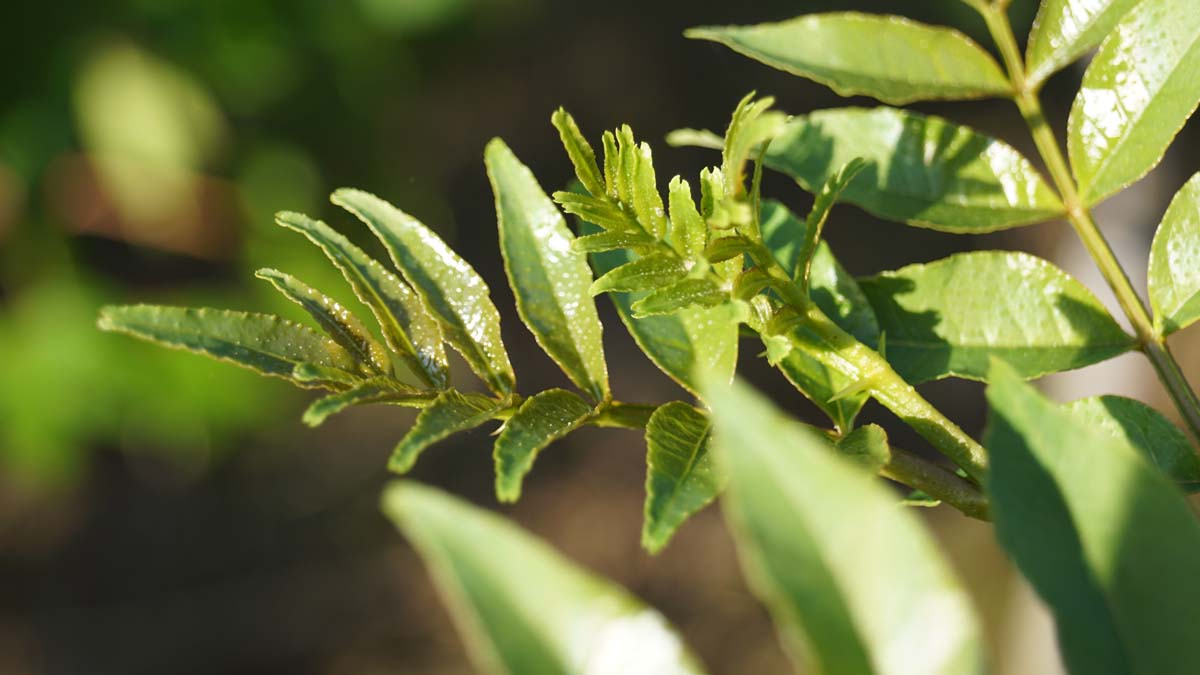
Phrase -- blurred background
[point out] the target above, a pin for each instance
(161, 513)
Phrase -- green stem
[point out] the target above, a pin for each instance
(1152, 344)
(921, 474)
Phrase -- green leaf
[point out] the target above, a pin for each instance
(855, 584)
(1175, 263)
(833, 288)
(684, 343)
(689, 234)
(924, 171)
(580, 151)
(607, 241)
(867, 445)
(752, 125)
(452, 291)
(680, 477)
(408, 330)
(263, 343)
(521, 607)
(599, 212)
(1136, 95)
(949, 317)
(906, 61)
(1105, 539)
(450, 413)
(815, 223)
(721, 249)
(645, 273)
(680, 295)
(810, 366)
(379, 389)
(333, 318)
(1144, 429)
(324, 376)
(1065, 29)
(647, 203)
(541, 420)
(549, 278)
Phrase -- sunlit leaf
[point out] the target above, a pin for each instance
(580, 151)
(1136, 95)
(647, 202)
(1175, 262)
(907, 61)
(379, 389)
(689, 234)
(520, 606)
(452, 291)
(450, 413)
(607, 241)
(1144, 429)
(541, 420)
(644, 273)
(1104, 537)
(266, 344)
(342, 326)
(408, 330)
(752, 125)
(680, 478)
(680, 295)
(1065, 29)
(599, 212)
(949, 317)
(549, 278)
(855, 584)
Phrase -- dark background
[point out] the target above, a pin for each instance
(160, 513)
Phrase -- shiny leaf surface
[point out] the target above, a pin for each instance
(541, 420)
(1065, 29)
(1136, 95)
(549, 278)
(1103, 536)
(645, 273)
(907, 61)
(366, 392)
(452, 291)
(450, 413)
(680, 477)
(1144, 429)
(521, 607)
(1175, 262)
(680, 295)
(949, 317)
(855, 584)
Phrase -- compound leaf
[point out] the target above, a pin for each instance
(907, 61)
(680, 477)
(541, 420)
(521, 607)
(949, 317)
(1175, 262)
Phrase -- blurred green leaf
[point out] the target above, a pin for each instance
(520, 606)
(1174, 275)
(450, 413)
(599, 212)
(1144, 429)
(542, 419)
(408, 330)
(549, 278)
(266, 344)
(680, 295)
(1065, 29)
(1136, 95)
(680, 478)
(341, 325)
(907, 61)
(855, 584)
(452, 291)
(949, 317)
(921, 170)
(1105, 539)
(642, 274)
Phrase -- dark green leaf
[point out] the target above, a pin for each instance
(333, 318)
(680, 478)
(1175, 262)
(450, 413)
(645, 273)
(549, 279)
(906, 61)
(580, 151)
(379, 389)
(1065, 29)
(452, 291)
(1144, 429)
(408, 330)
(920, 170)
(856, 584)
(949, 317)
(263, 343)
(680, 295)
(1103, 536)
(521, 607)
(541, 420)
(815, 223)
(1136, 95)
(868, 446)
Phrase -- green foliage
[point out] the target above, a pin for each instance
(1087, 497)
